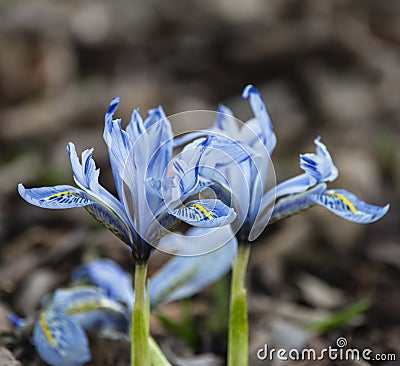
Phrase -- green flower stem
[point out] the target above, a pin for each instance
(238, 323)
(156, 356)
(140, 352)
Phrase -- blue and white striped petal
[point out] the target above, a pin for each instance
(90, 307)
(205, 213)
(225, 121)
(184, 276)
(85, 173)
(319, 166)
(266, 133)
(86, 177)
(135, 127)
(64, 196)
(222, 151)
(154, 115)
(111, 221)
(59, 335)
(119, 145)
(57, 197)
(295, 203)
(349, 207)
(110, 277)
(160, 140)
(59, 340)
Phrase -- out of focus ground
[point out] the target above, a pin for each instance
(329, 68)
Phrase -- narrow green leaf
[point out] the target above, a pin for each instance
(339, 318)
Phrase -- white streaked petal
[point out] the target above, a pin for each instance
(205, 213)
(183, 277)
(350, 207)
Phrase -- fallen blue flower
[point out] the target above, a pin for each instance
(59, 333)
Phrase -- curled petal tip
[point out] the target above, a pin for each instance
(21, 188)
(249, 89)
(70, 147)
(111, 108)
(113, 104)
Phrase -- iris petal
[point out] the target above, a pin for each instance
(135, 127)
(225, 120)
(106, 274)
(57, 197)
(319, 167)
(266, 134)
(293, 204)
(111, 221)
(205, 213)
(350, 207)
(59, 335)
(59, 340)
(183, 277)
(63, 196)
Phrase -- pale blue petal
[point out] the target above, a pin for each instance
(135, 127)
(57, 197)
(111, 109)
(160, 142)
(15, 320)
(159, 227)
(266, 133)
(293, 185)
(225, 120)
(90, 308)
(183, 277)
(110, 277)
(63, 197)
(86, 176)
(189, 137)
(186, 175)
(221, 151)
(155, 115)
(205, 213)
(59, 340)
(112, 222)
(119, 147)
(319, 166)
(350, 207)
(293, 204)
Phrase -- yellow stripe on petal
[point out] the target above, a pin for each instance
(345, 201)
(46, 330)
(60, 194)
(79, 308)
(203, 210)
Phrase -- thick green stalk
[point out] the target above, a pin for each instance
(156, 356)
(140, 353)
(238, 323)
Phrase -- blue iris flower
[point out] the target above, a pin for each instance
(149, 202)
(248, 179)
(59, 334)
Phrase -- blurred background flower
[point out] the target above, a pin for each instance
(327, 68)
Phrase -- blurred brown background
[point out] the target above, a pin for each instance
(329, 68)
